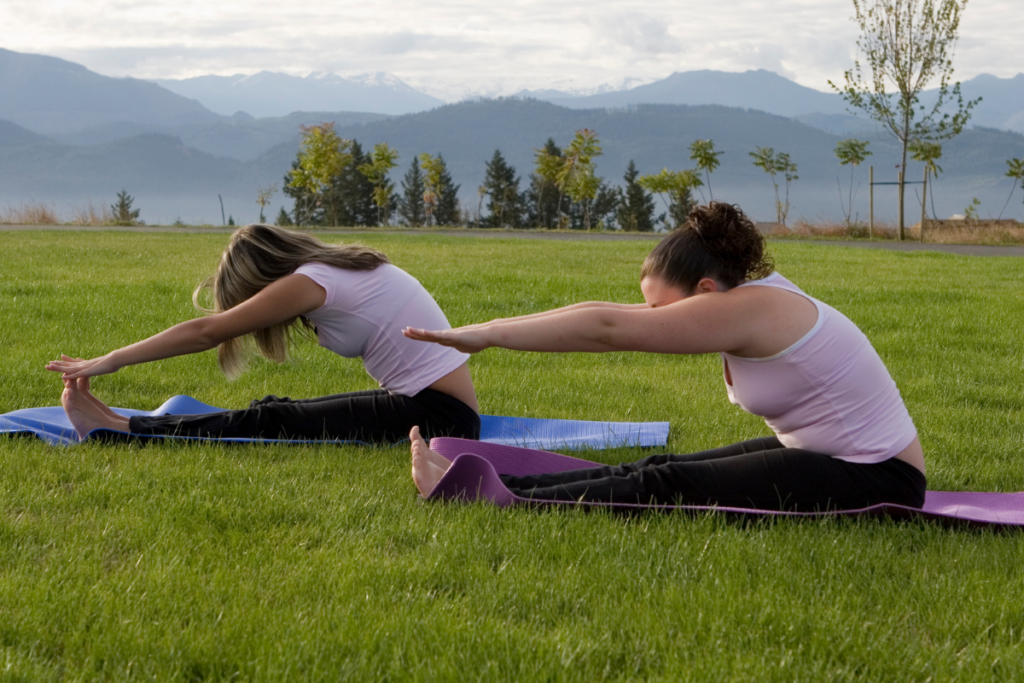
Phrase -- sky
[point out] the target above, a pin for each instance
(452, 48)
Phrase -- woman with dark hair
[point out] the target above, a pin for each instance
(350, 297)
(843, 437)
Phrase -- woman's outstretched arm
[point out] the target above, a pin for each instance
(555, 311)
(716, 321)
(279, 302)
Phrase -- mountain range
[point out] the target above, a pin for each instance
(267, 94)
(50, 95)
(73, 136)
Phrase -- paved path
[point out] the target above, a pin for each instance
(962, 249)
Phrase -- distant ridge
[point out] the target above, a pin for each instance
(760, 89)
(13, 135)
(275, 94)
(51, 95)
(239, 137)
(1002, 105)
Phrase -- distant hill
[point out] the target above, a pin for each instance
(240, 137)
(275, 94)
(759, 89)
(1002, 106)
(171, 179)
(50, 95)
(149, 163)
(1002, 103)
(13, 135)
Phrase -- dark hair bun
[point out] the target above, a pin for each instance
(717, 241)
(733, 239)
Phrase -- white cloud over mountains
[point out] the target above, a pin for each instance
(450, 47)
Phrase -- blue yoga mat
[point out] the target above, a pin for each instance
(52, 425)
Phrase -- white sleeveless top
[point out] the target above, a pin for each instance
(828, 393)
(363, 316)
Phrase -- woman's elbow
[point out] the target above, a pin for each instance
(609, 336)
(206, 335)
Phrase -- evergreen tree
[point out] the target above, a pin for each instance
(355, 191)
(605, 206)
(123, 212)
(682, 204)
(283, 219)
(410, 204)
(505, 203)
(447, 211)
(636, 209)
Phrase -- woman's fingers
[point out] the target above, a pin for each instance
(467, 341)
(77, 368)
(423, 335)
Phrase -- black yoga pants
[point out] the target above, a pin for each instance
(760, 474)
(376, 416)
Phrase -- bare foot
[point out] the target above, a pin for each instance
(83, 388)
(427, 466)
(83, 413)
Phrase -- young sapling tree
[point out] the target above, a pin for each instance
(1016, 171)
(775, 164)
(263, 196)
(676, 191)
(927, 153)
(382, 160)
(850, 153)
(706, 156)
(908, 44)
(573, 171)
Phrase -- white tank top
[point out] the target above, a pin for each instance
(363, 316)
(829, 392)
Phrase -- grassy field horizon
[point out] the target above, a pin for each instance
(212, 562)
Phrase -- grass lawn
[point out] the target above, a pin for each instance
(203, 562)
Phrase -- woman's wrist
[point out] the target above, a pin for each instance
(115, 360)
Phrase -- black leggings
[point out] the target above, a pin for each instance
(376, 416)
(760, 474)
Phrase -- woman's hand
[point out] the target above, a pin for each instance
(466, 339)
(75, 368)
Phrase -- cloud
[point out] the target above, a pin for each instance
(639, 33)
(536, 43)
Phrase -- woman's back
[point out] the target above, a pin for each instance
(829, 392)
(364, 314)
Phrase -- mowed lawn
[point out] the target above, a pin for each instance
(204, 562)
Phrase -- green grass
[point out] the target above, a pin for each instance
(196, 562)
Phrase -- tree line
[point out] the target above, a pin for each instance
(334, 182)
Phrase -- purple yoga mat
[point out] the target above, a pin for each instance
(476, 466)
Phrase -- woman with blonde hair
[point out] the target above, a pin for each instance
(843, 438)
(351, 297)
